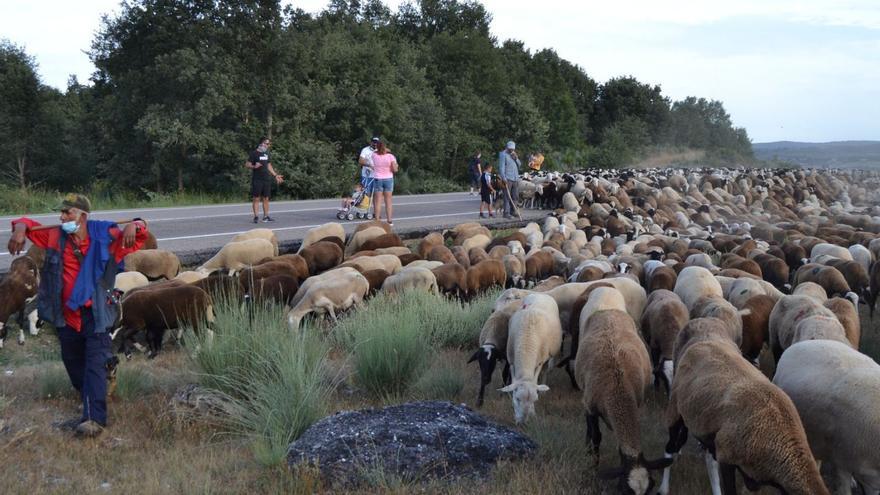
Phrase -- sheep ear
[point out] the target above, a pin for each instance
(509, 388)
(656, 464)
(476, 355)
(543, 388)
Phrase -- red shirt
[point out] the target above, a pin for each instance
(48, 239)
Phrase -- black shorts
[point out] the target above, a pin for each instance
(486, 197)
(261, 188)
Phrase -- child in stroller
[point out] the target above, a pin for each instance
(360, 203)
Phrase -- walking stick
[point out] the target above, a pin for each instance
(512, 203)
(44, 227)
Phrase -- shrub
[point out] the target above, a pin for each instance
(278, 380)
(53, 383)
(445, 380)
(134, 382)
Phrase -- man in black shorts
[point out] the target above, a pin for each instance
(263, 176)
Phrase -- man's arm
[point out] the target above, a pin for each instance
(21, 232)
(129, 239)
(273, 173)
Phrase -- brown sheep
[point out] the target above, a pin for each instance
(874, 289)
(462, 256)
(499, 252)
(502, 241)
(451, 279)
(539, 265)
(589, 274)
(375, 223)
(663, 318)
(376, 278)
(406, 259)
(848, 316)
(731, 260)
(157, 310)
(383, 241)
(321, 256)
(150, 242)
(335, 240)
(663, 277)
(795, 254)
(279, 288)
(251, 276)
(220, 285)
(442, 254)
(428, 242)
(774, 270)
(828, 277)
(756, 323)
(19, 287)
(485, 275)
(737, 273)
(299, 264)
(854, 273)
(476, 255)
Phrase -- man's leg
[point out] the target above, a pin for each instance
(73, 355)
(507, 196)
(94, 392)
(255, 203)
(514, 195)
(265, 206)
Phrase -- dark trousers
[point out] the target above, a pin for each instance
(85, 355)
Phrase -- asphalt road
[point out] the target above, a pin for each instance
(194, 228)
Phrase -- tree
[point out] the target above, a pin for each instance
(19, 110)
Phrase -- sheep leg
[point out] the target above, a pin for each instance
(594, 435)
(505, 374)
(678, 433)
(570, 371)
(728, 478)
(33, 318)
(714, 475)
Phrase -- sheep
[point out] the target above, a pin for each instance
(382, 241)
(154, 263)
(742, 289)
(236, 255)
(694, 282)
(854, 274)
(406, 259)
(217, 284)
(126, 281)
(477, 241)
(188, 276)
(484, 275)
(716, 307)
(398, 251)
(613, 370)
(836, 391)
(331, 229)
(570, 202)
(596, 297)
(442, 254)
(430, 265)
(476, 255)
(515, 269)
(873, 288)
(428, 242)
(359, 238)
(451, 278)
(848, 316)
(745, 422)
(411, 279)
(387, 262)
(321, 256)
(159, 309)
(862, 256)
(278, 287)
(755, 325)
(799, 318)
(825, 248)
(534, 337)
(460, 254)
(499, 252)
(811, 289)
(253, 274)
(493, 346)
(18, 292)
(662, 277)
(774, 270)
(267, 234)
(299, 264)
(549, 283)
(375, 278)
(828, 277)
(664, 317)
(332, 291)
(539, 265)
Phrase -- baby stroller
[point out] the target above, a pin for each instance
(361, 204)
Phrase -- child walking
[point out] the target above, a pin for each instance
(486, 191)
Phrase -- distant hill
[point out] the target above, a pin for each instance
(843, 154)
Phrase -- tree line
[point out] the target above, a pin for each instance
(183, 89)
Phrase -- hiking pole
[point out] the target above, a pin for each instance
(512, 203)
(44, 227)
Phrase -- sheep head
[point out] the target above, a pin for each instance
(633, 473)
(524, 395)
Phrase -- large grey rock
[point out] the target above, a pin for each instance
(414, 441)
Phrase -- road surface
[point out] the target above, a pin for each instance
(188, 229)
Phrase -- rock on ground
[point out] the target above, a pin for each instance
(413, 441)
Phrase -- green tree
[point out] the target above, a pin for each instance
(19, 111)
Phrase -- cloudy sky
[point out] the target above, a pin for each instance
(800, 70)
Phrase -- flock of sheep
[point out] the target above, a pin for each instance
(677, 277)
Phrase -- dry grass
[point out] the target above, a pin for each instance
(146, 451)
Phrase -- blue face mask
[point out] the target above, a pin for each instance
(70, 227)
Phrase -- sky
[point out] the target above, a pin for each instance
(797, 70)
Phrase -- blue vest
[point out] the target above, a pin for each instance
(105, 308)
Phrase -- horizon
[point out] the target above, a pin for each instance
(791, 71)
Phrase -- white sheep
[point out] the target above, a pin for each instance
(190, 276)
(126, 281)
(570, 202)
(799, 318)
(330, 292)
(387, 262)
(411, 279)
(695, 282)
(535, 336)
(493, 346)
(236, 255)
(154, 263)
(811, 289)
(824, 248)
(744, 288)
(359, 238)
(863, 256)
(836, 391)
(331, 229)
(267, 234)
(430, 265)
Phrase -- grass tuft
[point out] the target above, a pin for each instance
(53, 383)
(444, 381)
(134, 382)
(279, 381)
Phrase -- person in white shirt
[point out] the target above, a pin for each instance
(365, 160)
